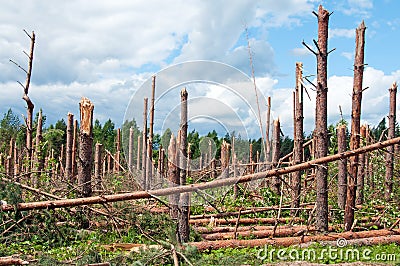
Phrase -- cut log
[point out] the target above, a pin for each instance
(248, 221)
(290, 241)
(12, 260)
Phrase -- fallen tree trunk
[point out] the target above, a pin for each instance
(12, 260)
(289, 241)
(193, 187)
(225, 229)
(279, 232)
(247, 221)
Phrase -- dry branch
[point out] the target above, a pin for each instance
(193, 187)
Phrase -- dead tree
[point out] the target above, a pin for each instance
(138, 153)
(342, 167)
(25, 97)
(38, 149)
(97, 166)
(183, 224)
(130, 149)
(321, 113)
(355, 126)
(173, 176)
(149, 166)
(69, 146)
(85, 147)
(298, 135)
(74, 146)
(267, 130)
(276, 150)
(390, 149)
(361, 170)
(144, 144)
(117, 152)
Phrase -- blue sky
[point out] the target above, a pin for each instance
(106, 50)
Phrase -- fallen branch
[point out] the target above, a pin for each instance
(289, 241)
(200, 186)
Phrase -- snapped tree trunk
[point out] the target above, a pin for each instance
(98, 166)
(130, 149)
(355, 126)
(390, 149)
(184, 201)
(85, 147)
(267, 140)
(298, 136)
(276, 150)
(74, 146)
(342, 167)
(144, 145)
(173, 176)
(320, 133)
(38, 148)
(361, 170)
(68, 148)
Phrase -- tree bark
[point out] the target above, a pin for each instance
(267, 140)
(117, 161)
(184, 201)
(342, 167)
(199, 186)
(298, 137)
(355, 125)
(289, 241)
(85, 147)
(98, 166)
(130, 149)
(144, 144)
(74, 146)
(68, 148)
(276, 146)
(173, 177)
(390, 149)
(38, 149)
(321, 134)
(138, 153)
(361, 170)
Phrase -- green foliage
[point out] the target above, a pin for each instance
(105, 134)
(10, 126)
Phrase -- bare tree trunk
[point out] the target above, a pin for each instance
(30, 105)
(225, 159)
(74, 146)
(139, 143)
(173, 176)
(184, 202)
(321, 134)
(68, 148)
(85, 147)
(144, 144)
(130, 150)
(149, 166)
(235, 187)
(251, 158)
(276, 150)
(342, 167)
(97, 166)
(298, 136)
(361, 170)
(38, 149)
(267, 141)
(390, 149)
(355, 126)
(117, 160)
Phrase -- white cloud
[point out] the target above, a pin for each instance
(300, 51)
(358, 7)
(347, 55)
(345, 33)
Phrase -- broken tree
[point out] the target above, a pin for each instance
(85, 147)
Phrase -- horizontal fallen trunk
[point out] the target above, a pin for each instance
(225, 229)
(289, 241)
(279, 232)
(193, 187)
(12, 260)
(247, 211)
(247, 221)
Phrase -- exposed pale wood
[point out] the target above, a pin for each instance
(276, 150)
(390, 150)
(144, 145)
(342, 167)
